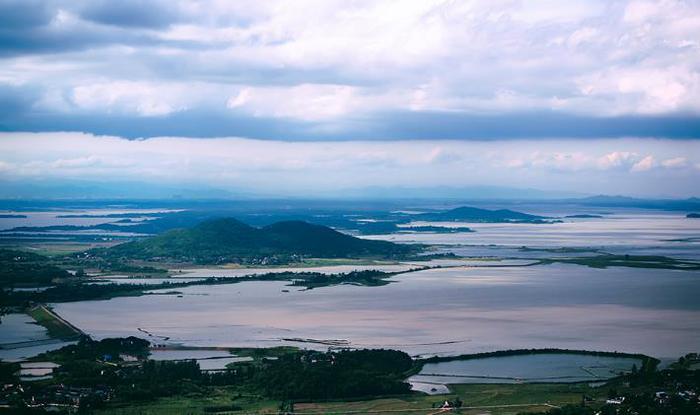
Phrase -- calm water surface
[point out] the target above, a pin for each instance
(554, 367)
(17, 327)
(439, 311)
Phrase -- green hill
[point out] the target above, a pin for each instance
(229, 240)
(472, 214)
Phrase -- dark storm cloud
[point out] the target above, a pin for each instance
(388, 126)
(25, 14)
(415, 125)
(131, 13)
(15, 102)
(185, 124)
(40, 27)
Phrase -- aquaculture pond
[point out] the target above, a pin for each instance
(528, 368)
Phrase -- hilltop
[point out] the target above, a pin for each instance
(229, 240)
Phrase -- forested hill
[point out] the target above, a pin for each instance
(229, 240)
(472, 214)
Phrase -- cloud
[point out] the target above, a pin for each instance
(640, 11)
(306, 102)
(144, 99)
(130, 13)
(647, 91)
(50, 29)
(618, 159)
(339, 69)
(16, 14)
(647, 163)
(675, 163)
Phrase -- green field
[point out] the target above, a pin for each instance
(496, 399)
(218, 399)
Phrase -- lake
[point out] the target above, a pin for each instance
(207, 359)
(648, 233)
(19, 327)
(21, 338)
(439, 311)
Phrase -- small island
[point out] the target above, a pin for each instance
(478, 215)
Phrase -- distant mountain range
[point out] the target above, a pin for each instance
(453, 193)
(92, 190)
(229, 240)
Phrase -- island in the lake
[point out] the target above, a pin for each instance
(227, 240)
(473, 214)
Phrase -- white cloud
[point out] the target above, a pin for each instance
(143, 98)
(617, 159)
(645, 90)
(6, 167)
(304, 102)
(639, 11)
(582, 36)
(647, 163)
(674, 163)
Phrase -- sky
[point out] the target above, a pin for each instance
(306, 97)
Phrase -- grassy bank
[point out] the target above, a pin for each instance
(524, 352)
(629, 261)
(57, 327)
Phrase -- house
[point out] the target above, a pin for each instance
(661, 397)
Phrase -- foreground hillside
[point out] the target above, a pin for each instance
(229, 240)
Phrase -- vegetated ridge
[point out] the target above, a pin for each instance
(229, 240)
